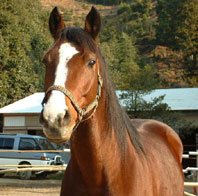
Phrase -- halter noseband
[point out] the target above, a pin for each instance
(81, 111)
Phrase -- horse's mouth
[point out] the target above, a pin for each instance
(58, 141)
(59, 135)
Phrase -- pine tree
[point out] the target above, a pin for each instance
(23, 40)
(178, 29)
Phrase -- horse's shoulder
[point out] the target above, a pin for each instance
(154, 127)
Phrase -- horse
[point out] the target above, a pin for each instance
(111, 155)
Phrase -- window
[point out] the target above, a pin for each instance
(6, 143)
(28, 144)
(1, 143)
(45, 144)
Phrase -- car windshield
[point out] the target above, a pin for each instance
(45, 145)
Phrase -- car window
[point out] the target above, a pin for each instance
(6, 143)
(45, 144)
(1, 143)
(28, 144)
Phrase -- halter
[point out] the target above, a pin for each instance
(82, 112)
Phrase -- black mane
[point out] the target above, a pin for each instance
(119, 121)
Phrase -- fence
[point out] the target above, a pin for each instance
(18, 168)
(193, 185)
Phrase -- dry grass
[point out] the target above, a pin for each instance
(11, 191)
(11, 185)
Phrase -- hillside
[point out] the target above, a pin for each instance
(78, 8)
(74, 12)
(169, 65)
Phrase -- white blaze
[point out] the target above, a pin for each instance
(56, 105)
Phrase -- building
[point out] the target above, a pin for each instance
(23, 116)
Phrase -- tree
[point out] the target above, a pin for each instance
(178, 27)
(126, 68)
(187, 33)
(138, 19)
(167, 17)
(23, 39)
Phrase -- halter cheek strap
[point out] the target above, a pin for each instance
(82, 112)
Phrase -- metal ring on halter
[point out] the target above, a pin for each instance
(81, 111)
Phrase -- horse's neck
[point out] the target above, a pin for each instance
(93, 147)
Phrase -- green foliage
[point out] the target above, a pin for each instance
(177, 22)
(178, 27)
(126, 71)
(187, 31)
(156, 109)
(138, 19)
(23, 39)
(120, 55)
(137, 107)
(167, 12)
(170, 23)
(124, 38)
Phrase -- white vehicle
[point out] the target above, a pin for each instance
(27, 142)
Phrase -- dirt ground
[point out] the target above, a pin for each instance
(13, 186)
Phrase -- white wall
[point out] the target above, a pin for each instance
(14, 121)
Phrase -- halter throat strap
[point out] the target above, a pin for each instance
(81, 111)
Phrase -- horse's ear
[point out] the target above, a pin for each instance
(93, 23)
(56, 23)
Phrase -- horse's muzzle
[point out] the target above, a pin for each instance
(58, 122)
(59, 131)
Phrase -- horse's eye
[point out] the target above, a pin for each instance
(91, 63)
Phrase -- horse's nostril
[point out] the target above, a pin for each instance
(41, 118)
(67, 115)
(63, 120)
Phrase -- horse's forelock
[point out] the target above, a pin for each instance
(79, 37)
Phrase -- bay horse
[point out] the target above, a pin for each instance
(111, 155)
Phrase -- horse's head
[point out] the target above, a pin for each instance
(72, 79)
